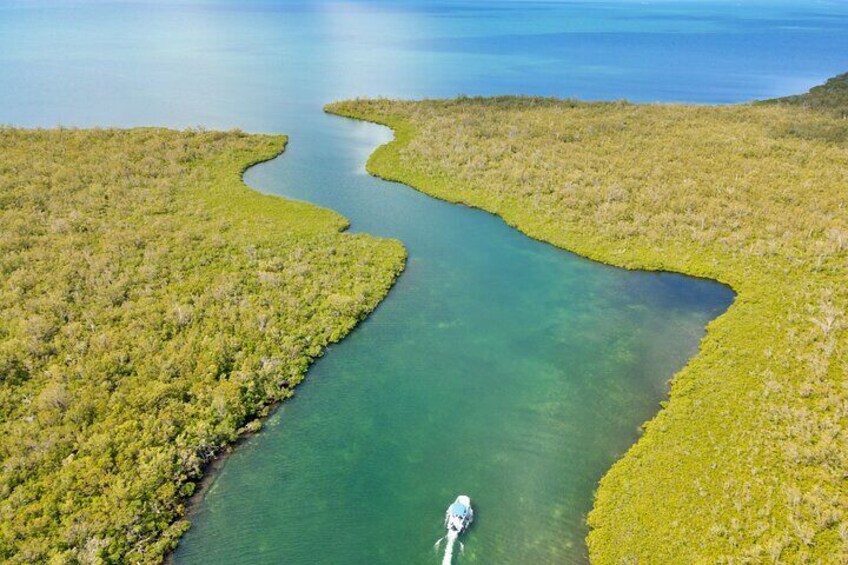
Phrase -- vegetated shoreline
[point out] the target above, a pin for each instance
(509, 221)
(180, 198)
(403, 133)
(214, 466)
(616, 535)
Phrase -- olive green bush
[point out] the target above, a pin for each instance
(830, 97)
(151, 308)
(747, 461)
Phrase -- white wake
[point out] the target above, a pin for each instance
(446, 560)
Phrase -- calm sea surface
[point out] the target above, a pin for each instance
(499, 367)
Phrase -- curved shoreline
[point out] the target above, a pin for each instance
(175, 305)
(660, 269)
(751, 314)
(255, 426)
(403, 133)
(215, 465)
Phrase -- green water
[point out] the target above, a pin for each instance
(498, 367)
(520, 394)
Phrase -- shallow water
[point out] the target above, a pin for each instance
(498, 366)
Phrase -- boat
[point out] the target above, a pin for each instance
(459, 515)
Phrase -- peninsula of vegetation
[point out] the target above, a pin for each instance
(747, 460)
(151, 308)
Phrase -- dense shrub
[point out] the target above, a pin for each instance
(830, 97)
(151, 306)
(748, 461)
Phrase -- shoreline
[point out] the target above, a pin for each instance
(757, 311)
(211, 470)
(403, 133)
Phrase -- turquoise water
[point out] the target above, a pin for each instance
(498, 366)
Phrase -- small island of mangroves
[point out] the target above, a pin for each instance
(746, 461)
(151, 308)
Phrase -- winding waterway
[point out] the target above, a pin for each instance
(499, 366)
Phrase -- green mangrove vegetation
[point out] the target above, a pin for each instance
(830, 97)
(151, 308)
(746, 462)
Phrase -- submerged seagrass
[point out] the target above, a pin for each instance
(151, 306)
(748, 458)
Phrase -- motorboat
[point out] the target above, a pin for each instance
(459, 515)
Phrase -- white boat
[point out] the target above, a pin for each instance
(459, 515)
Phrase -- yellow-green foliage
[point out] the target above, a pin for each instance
(151, 306)
(747, 462)
(830, 97)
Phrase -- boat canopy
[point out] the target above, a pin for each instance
(459, 509)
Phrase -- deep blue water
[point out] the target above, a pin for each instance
(498, 365)
(262, 65)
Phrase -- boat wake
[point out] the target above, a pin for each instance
(451, 539)
(446, 560)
